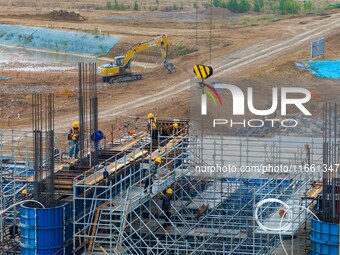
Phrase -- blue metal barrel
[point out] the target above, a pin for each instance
(324, 238)
(42, 230)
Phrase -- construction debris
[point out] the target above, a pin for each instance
(65, 15)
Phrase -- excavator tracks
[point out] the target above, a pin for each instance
(123, 78)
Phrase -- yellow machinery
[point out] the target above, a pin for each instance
(120, 70)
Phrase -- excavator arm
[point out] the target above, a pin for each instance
(161, 41)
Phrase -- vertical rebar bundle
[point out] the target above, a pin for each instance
(93, 110)
(37, 144)
(88, 109)
(49, 165)
(331, 158)
(82, 109)
(43, 163)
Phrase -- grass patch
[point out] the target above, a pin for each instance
(260, 20)
(181, 50)
(332, 6)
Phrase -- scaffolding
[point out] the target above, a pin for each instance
(17, 173)
(212, 212)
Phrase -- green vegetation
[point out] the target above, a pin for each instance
(258, 5)
(122, 7)
(116, 6)
(108, 5)
(283, 7)
(243, 6)
(217, 3)
(135, 6)
(238, 5)
(181, 50)
(94, 31)
(233, 5)
(28, 39)
(332, 6)
(289, 7)
(307, 5)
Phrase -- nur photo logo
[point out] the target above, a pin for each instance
(281, 99)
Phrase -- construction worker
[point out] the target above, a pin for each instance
(166, 207)
(175, 129)
(73, 137)
(151, 172)
(152, 126)
(24, 193)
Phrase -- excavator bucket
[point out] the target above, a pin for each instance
(169, 66)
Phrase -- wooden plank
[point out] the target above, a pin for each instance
(98, 176)
(125, 146)
(63, 187)
(81, 245)
(63, 181)
(45, 174)
(94, 228)
(158, 153)
(314, 192)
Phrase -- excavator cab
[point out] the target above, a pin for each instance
(118, 61)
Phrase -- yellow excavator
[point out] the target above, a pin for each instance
(120, 70)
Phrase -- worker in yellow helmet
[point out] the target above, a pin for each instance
(152, 126)
(166, 207)
(175, 129)
(73, 137)
(151, 173)
(24, 193)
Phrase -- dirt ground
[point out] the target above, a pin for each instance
(190, 43)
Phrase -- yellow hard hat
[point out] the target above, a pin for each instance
(175, 125)
(75, 124)
(158, 160)
(169, 191)
(24, 192)
(150, 115)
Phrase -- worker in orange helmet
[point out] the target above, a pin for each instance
(73, 137)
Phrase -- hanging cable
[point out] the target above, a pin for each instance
(211, 21)
(196, 31)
